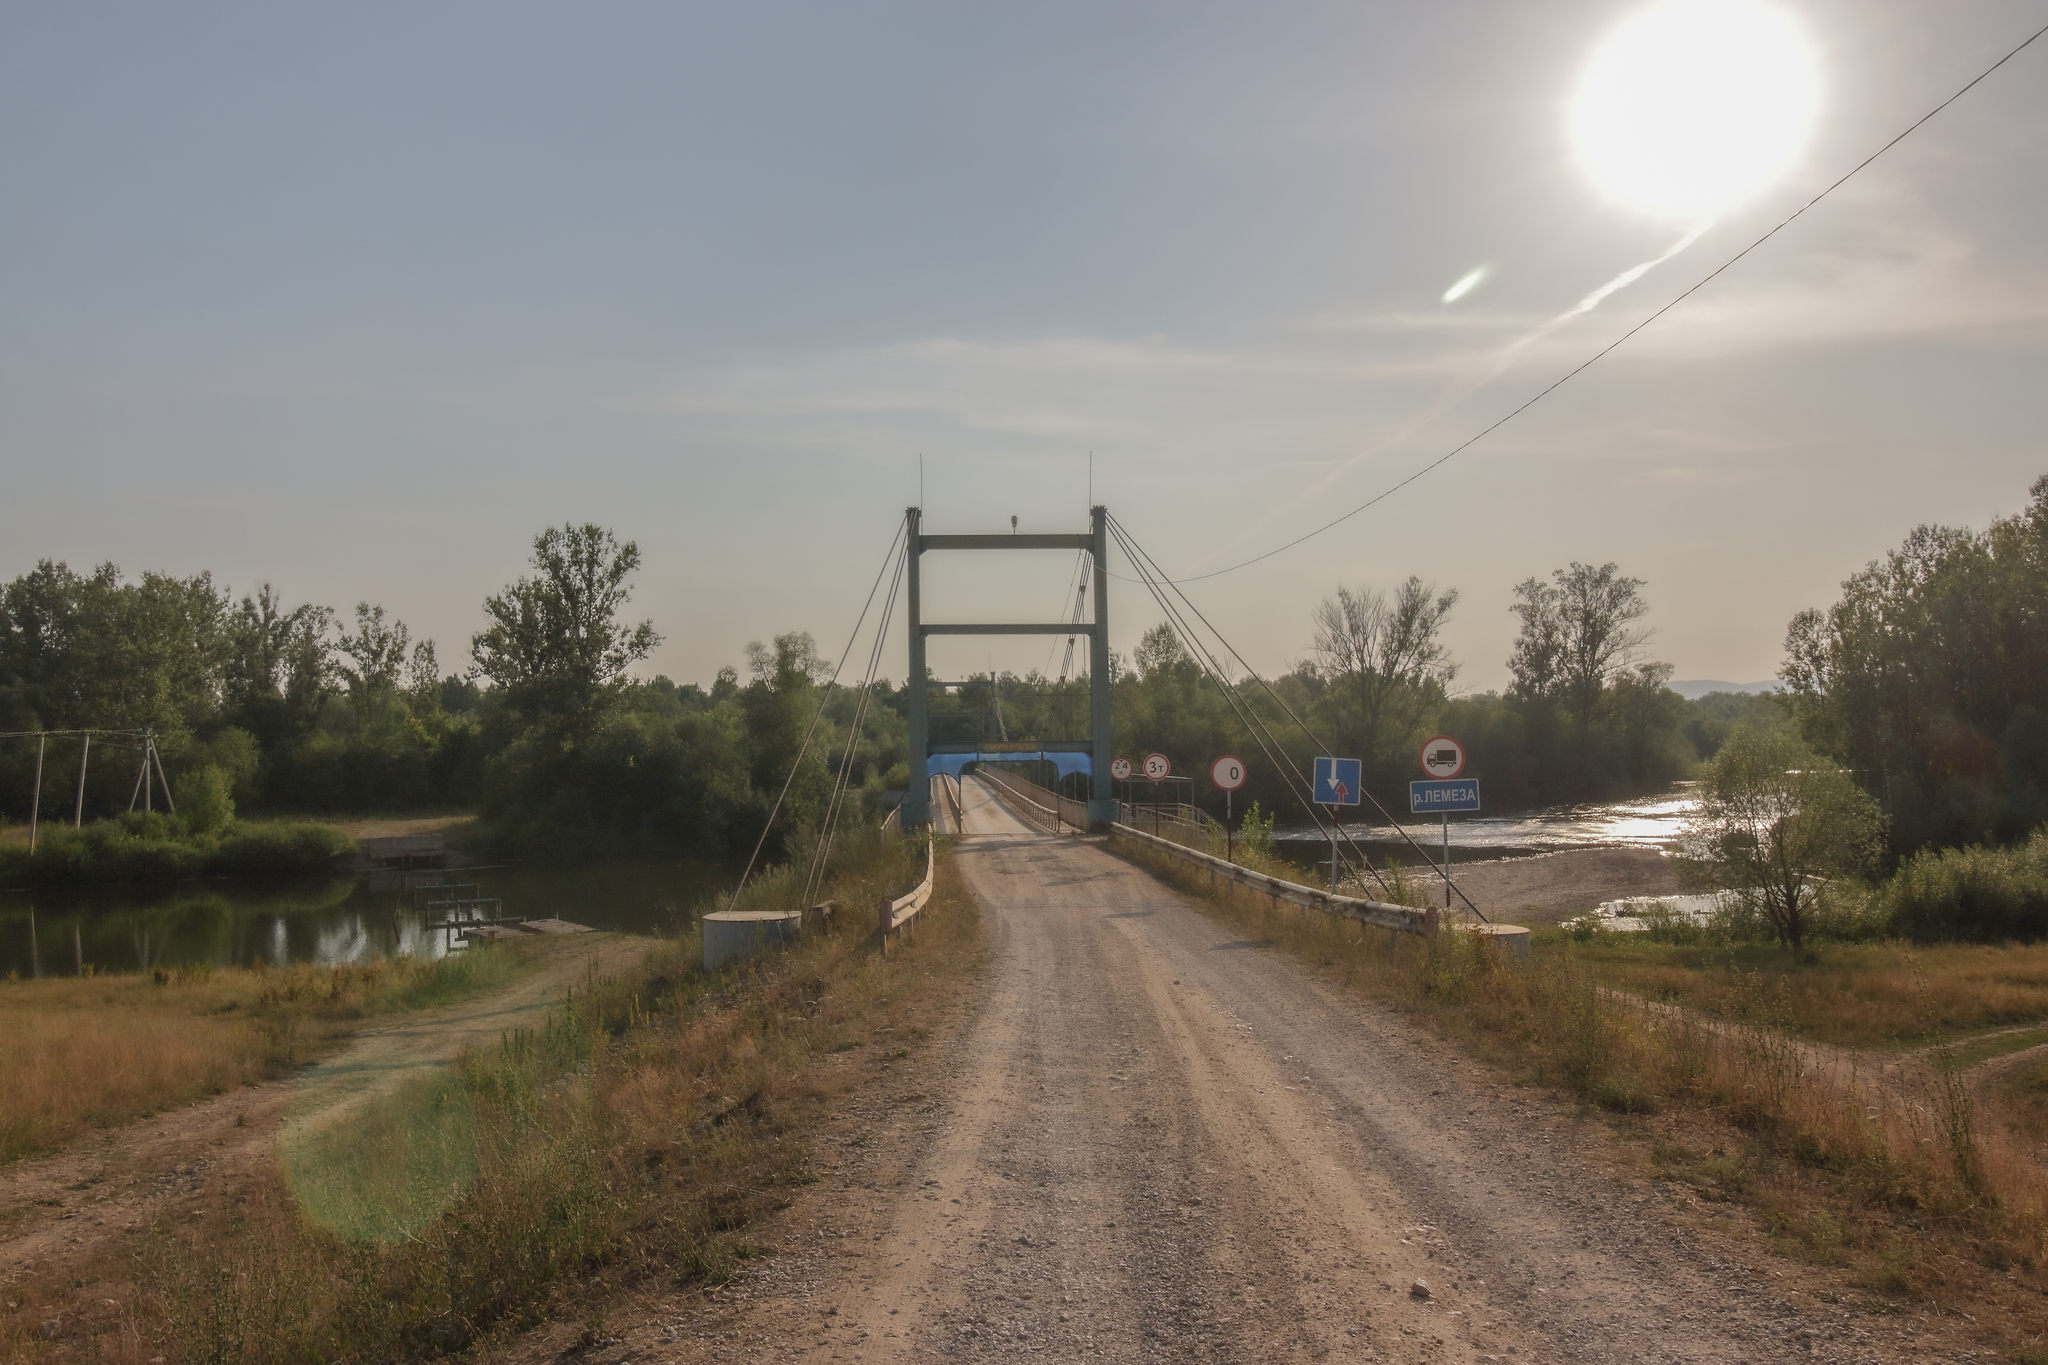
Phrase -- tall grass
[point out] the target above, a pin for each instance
(1870, 995)
(98, 1051)
(638, 1132)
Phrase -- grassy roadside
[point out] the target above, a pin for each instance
(1864, 995)
(1899, 1183)
(98, 1051)
(636, 1136)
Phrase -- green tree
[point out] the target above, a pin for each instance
(1774, 820)
(1929, 680)
(1578, 634)
(279, 666)
(556, 642)
(1384, 666)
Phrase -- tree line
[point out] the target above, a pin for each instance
(297, 709)
(1926, 684)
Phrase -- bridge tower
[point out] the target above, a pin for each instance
(1102, 808)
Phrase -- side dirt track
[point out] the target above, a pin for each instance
(1157, 1141)
(72, 1204)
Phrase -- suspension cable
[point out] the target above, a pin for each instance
(1130, 544)
(1255, 724)
(821, 854)
(816, 716)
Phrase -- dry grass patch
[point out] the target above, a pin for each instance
(98, 1051)
(1848, 994)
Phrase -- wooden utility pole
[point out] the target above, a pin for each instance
(78, 809)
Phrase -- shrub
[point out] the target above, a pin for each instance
(153, 847)
(206, 801)
(276, 850)
(1976, 894)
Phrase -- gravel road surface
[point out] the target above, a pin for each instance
(1165, 1143)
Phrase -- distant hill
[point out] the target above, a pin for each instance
(1694, 688)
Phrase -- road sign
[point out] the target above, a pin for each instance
(1227, 773)
(1120, 769)
(1158, 766)
(1337, 781)
(1443, 757)
(1438, 798)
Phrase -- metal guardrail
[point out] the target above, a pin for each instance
(894, 914)
(1141, 813)
(951, 786)
(1059, 814)
(1402, 918)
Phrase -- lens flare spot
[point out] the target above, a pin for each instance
(1468, 282)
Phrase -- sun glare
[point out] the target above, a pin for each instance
(1692, 106)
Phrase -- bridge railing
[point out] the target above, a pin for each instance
(1041, 805)
(1182, 823)
(1402, 918)
(946, 802)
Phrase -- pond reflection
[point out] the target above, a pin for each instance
(328, 921)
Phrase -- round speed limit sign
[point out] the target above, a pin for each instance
(1157, 766)
(1227, 773)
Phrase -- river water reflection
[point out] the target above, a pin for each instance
(348, 919)
(1647, 822)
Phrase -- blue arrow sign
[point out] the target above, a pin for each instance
(1434, 798)
(1337, 781)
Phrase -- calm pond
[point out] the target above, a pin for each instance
(345, 919)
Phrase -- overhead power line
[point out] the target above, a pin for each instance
(1598, 355)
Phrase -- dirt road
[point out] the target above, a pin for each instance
(1164, 1143)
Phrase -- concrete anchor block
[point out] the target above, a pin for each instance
(1510, 940)
(742, 933)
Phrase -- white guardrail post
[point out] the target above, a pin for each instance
(894, 914)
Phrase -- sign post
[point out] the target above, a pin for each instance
(1158, 767)
(1227, 772)
(1120, 771)
(1337, 783)
(1443, 758)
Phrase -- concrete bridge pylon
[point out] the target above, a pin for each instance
(1102, 807)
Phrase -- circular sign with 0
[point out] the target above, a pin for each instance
(1227, 773)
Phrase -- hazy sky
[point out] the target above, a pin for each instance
(355, 298)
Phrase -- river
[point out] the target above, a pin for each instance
(329, 921)
(1646, 822)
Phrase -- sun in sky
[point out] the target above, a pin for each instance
(1690, 107)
